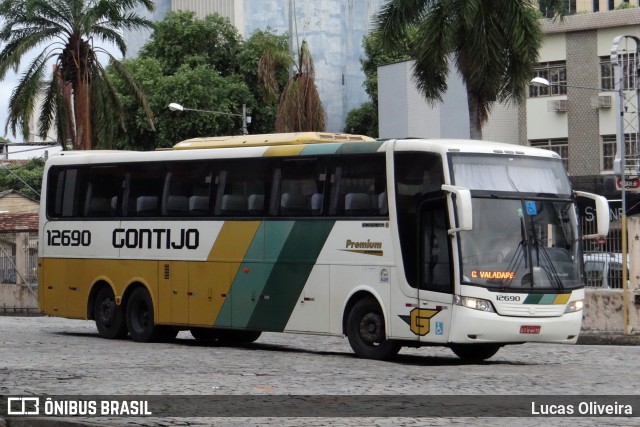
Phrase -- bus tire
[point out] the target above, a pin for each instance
(140, 317)
(109, 316)
(475, 352)
(366, 331)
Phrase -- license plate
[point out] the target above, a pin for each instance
(529, 329)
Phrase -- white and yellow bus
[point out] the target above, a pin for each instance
(467, 244)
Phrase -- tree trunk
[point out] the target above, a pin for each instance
(81, 113)
(475, 124)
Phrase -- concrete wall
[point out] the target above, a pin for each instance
(603, 311)
(16, 299)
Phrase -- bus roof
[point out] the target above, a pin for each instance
(270, 139)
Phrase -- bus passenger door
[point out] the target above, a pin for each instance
(436, 272)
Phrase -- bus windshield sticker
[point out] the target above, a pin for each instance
(532, 209)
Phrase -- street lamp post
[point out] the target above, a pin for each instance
(245, 119)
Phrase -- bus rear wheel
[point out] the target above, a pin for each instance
(109, 316)
(475, 352)
(140, 319)
(366, 331)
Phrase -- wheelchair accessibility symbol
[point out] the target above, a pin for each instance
(439, 328)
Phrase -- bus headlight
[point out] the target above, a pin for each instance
(474, 303)
(574, 306)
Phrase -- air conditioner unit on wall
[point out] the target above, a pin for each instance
(602, 101)
(557, 106)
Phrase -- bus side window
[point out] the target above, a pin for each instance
(298, 188)
(144, 190)
(66, 194)
(104, 188)
(241, 188)
(186, 190)
(359, 187)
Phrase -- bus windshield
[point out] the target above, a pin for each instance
(524, 232)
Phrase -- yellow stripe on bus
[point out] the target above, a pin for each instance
(285, 150)
(233, 241)
(562, 299)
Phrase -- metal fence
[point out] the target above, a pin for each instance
(19, 257)
(603, 258)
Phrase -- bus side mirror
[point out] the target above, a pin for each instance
(602, 214)
(464, 210)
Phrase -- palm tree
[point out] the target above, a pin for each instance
(493, 43)
(300, 108)
(79, 98)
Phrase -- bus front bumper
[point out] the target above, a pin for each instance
(473, 326)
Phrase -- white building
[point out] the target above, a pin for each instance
(577, 123)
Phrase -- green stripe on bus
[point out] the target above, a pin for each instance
(248, 284)
(533, 299)
(290, 274)
(547, 299)
(359, 147)
(319, 149)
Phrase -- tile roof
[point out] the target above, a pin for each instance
(11, 222)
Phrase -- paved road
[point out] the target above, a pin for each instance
(42, 355)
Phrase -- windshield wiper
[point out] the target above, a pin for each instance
(553, 274)
(517, 257)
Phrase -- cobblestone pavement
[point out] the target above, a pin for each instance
(42, 355)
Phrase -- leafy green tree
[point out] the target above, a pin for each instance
(206, 80)
(181, 38)
(363, 120)
(78, 97)
(215, 80)
(263, 115)
(493, 44)
(23, 178)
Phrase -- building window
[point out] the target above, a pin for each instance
(612, 4)
(609, 150)
(543, 5)
(630, 64)
(556, 74)
(596, 5)
(557, 145)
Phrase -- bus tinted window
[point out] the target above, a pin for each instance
(241, 188)
(143, 189)
(64, 188)
(104, 188)
(419, 177)
(187, 189)
(299, 187)
(358, 187)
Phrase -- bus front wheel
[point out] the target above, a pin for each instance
(109, 316)
(475, 352)
(140, 319)
(366, 331)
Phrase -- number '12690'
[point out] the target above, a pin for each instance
(68, 237)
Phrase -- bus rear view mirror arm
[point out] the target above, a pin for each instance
(602, 214)
(464, 210)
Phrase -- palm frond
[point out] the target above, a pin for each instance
(22, 100)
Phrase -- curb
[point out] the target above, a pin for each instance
(609, 339)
